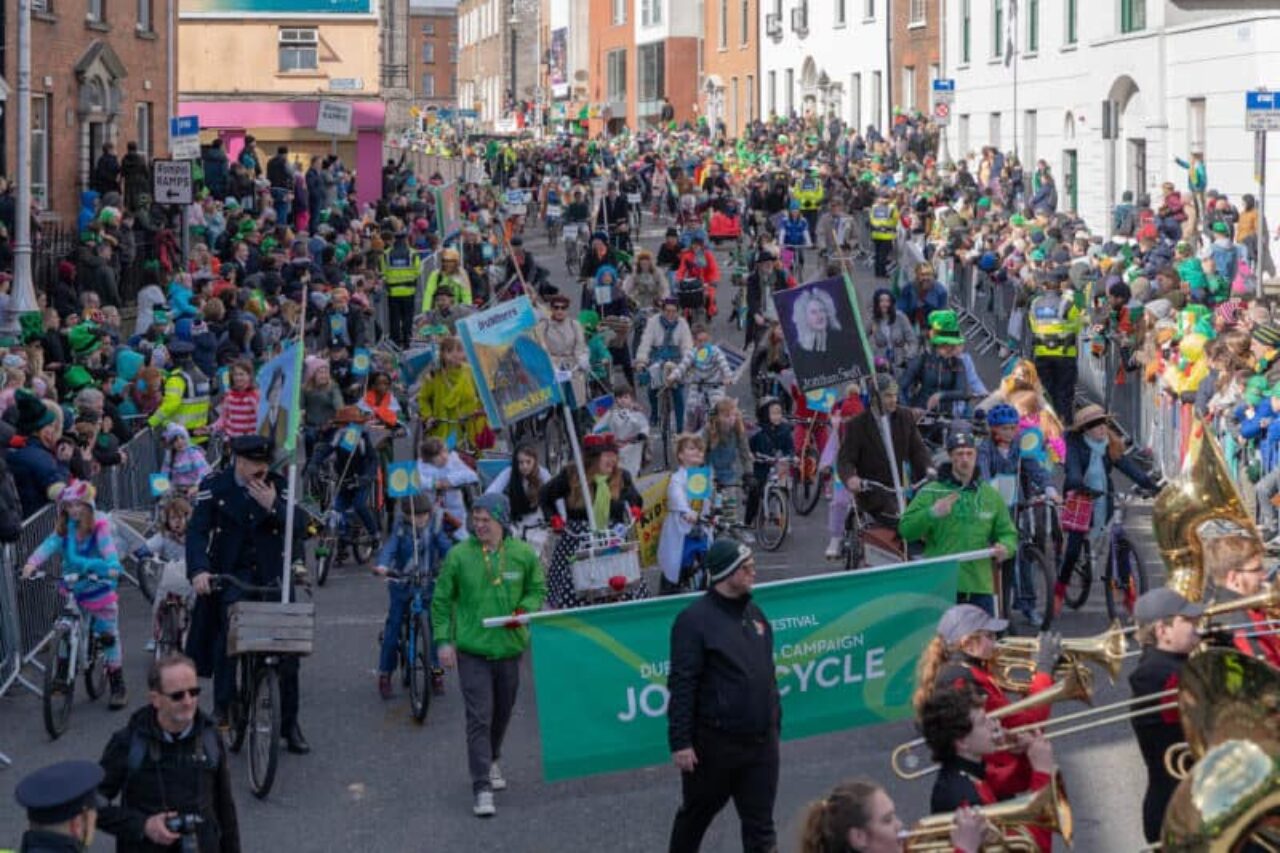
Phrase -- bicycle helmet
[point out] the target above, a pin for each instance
(1002, 415)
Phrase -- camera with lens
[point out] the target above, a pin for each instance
(185, 825)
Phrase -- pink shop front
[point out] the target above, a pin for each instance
(292, 124)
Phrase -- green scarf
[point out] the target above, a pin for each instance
(603, 500)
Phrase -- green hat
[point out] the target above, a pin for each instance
(1221, 227)
(1254, 389)
(84, 339)
(1017, 220)
(944, 328)
(76, 377)
(590, 321)
(1037, 255)
(246, 226)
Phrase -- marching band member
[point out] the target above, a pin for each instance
(1234, 562)
(858, 816)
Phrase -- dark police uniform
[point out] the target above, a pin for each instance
(725, 704)
(53, 795)
(230, 533)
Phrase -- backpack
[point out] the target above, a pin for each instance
(10, 505)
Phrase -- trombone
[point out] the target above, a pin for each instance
(1047, 808)
(1108, 650)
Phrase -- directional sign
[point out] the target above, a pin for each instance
(334, 117)
(171, 181)
(1262, 111)
(184, 137)
(944, 85)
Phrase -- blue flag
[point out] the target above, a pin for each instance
(402, 479)
(360, 362)
(698, 487)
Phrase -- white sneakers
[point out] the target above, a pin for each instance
(833, 548)
(484, 805)
(496, 780)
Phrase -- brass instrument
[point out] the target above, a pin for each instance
(1230, 707)
(1076, 683)
(1266, 599)
(1202, 493)
(1107, 650)
(1047, 808)
(1178, 760)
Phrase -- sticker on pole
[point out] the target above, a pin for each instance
(171, 181)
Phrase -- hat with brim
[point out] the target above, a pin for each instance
(1090, 416)
(1164, 603)
(256, 448)
(964, 620)
(55, 794)
(724, 557)
(944, 328)
(76, 377)
(85, 339)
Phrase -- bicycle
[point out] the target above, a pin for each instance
(1125, 575)
(554, 223)
(173, 618)
(328, 525)
(719, 522)
(414, 652)
(255, 711)
(73, 650)
(809, 479)
(664, 414)
(1034, 518)
(870, 541)
(773, 517)
(701, 398)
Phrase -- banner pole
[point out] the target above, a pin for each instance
(291, 488)
(572, 429)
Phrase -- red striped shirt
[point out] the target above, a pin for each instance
(239, 413)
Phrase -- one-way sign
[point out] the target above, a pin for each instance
(171, 181)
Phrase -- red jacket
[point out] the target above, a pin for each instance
(708, 271)
(1265, 648)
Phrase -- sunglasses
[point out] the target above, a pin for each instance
(179, 695)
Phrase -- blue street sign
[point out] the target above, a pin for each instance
(941, 85)
(468, 114)
(184, 126)
(1262, 111)
(444, 115)
(1262, 100)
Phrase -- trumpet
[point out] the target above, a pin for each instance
(1108, 650)
(1076, 683)
(1047, 808)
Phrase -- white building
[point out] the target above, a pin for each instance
(826, 57)
(1171, 73)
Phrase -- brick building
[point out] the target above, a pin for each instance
(433, 52)
(731, 63)
(915, 47)
(611, 66)
(98, 74)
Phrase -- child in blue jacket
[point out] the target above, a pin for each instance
(408, 551)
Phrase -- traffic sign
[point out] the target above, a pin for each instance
(942, 113)
(334, 117)
(171, 181)
(184, 137)
(944, 85)
(1262, 110)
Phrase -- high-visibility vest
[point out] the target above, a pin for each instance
(1055, 326)
(884, 222)
(400, 271)
(809, 194)
(459, 285)
(185, 401)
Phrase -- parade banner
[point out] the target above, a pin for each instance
(823, 332)
(513, 373)
(448, 211)
(845, 650)
(653, 488)
(279, 408)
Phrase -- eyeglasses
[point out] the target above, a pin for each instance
(179, 695)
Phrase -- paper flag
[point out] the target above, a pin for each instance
(402, 479)
(350, 437)
(1031, 444)
(160, 484)
(360, 362)
(698, 487)
(600, 406)
(821, 400)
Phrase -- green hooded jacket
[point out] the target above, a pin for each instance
(472, 588)
(978, 519)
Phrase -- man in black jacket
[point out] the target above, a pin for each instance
(169, 768)
(724, 716)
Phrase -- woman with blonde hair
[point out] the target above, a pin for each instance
(646, 286)
(858, 816)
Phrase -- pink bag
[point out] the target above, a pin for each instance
(1240, 285)
(1077, 512)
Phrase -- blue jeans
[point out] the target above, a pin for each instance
(348, 500)
(400, 599)
(281, 206)
(980, 599)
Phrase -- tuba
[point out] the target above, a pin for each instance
(1047, 808)
(1185, 511)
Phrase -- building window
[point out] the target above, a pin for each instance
(1029, 136)
(868, 9)
(428, 84)
(993, 131)
(453, 84)
(840, 13)
(746, 22)
(619, 12)
(453, 53)
(855, 101)
(651, 65)
(616, 75)
(429, 28)
(908, 87)
(650, 12)
(40, 150)
(1133, 15)
(429, 52)
(877, 92)
(723, 39)
(751, 97)
(657, 11)
(299, 49)
(962, 134)
(790, 92)
(773, 93)
(733, 106)
(1195, 125)
(1033, 26)
(41, 7)
(966, 23)
(1073, 32)
(142, 116)
(919, 12)
(97, 11)
(997, 27)
(144, 16)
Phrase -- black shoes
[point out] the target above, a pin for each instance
(295, 742)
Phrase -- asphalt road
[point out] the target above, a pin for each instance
(376, 781)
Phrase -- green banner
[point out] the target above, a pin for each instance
(845, 646)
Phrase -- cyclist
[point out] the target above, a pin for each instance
(90, 569)
(796, 234)
(773, 441)
(676, 546)
(705, 369)
(408, 550)
(1093, 450)
(450, 277)
(646, 286)
(728, 451)
(614, 216)
(355, 461)
(937, 377)
(665, 341)
(168, 546)
(669, 252)
(698, 262)
(767, 279)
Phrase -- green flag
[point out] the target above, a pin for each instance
(845, 648)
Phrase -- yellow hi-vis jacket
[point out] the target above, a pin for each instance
(185, 401)
(400, 270)
(884, 221)
(1056, 322)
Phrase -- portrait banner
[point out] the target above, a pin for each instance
(823, 332)
(279, 408)
(512, 371)
(845, 652)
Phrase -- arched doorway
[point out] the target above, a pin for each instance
(808, 87)
(99, 98)
(1130, 172)
(1070, 163)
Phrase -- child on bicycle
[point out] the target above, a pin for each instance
(705, 370)
(771, 440)
(728, 451)
(169, 547)
(683, 515)
(184, 463)
(90, 570)
(409, 550)
(443, 472)
(355, 464)
(629, 425)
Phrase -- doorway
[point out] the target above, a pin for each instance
(1071, 179)
(1137, 178)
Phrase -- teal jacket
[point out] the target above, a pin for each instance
(978, 519)
(471, 588)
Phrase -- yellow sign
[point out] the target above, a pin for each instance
(653, 488)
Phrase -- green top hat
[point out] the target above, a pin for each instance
(944, 328)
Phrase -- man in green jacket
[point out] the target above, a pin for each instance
(957, 513)
(485, 576)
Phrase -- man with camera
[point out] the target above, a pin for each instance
(168, 767)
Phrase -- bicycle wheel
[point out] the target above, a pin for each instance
(95, 670)
(242, 672)
(264, 731)
(555, 440)
(326, 555)
(807, 486)
(1080, 580)
(419, 670)
(772, 520)
(1122, 588)
(59, 684)
(149, 572)
(664, 424)
(1038, 578)
(169, 631)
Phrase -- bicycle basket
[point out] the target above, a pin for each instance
(270, 627)
(689, 294)
(594, 568)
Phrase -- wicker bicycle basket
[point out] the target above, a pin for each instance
(270, 627)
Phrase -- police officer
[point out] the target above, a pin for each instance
(884, 230)
(238, 529)
(169, 768)
(401, 268)
(62, 807)
(810, 193)
(724, 715)
(186, 394)
(1056, 322)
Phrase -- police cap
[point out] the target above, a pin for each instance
(179, 348)
(57, 793)
(257, 448)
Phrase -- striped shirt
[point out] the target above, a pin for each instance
(238, 414)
